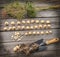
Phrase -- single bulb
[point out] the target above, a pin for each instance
(23, 27)
(26, 33)
(28, 21)
(32, 21)
(13, 28)
(35, 26)
(36, 21)
(50, 31)
(12, 23)
(38, 32)
(34, 32)
(10, 28)
(6, 23)
(5, 28)
(44, 26)
(47, 21)
(42, 21)
(42, 32)
(23, 21)
(49, 26)
(47, 32)
(27, 27)
(31, 27)
(29, 32)
(40, 26)
(18, 22)
(15, 49)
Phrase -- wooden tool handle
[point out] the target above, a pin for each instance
(51, 41)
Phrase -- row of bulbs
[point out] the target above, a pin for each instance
(27, 22)
(39, 26)
(38, 33)
(17, 35)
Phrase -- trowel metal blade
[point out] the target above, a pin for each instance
(39, 41)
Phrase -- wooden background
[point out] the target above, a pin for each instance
(6, 44)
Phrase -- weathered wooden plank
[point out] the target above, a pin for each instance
(6, 36)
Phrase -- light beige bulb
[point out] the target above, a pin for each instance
(12, 23)
(23, 27)
(47, 32)
(6, 23)
(23, 21)
(27, 27)
(29, 32)
(47, 21)
(40, 26)
(50, 31)
(26, 33)
(36, 21)
(37, 32)
(32, 21)
(35, 26)
(28, 21)
(42, 32)
(10, 28)
(15, 49)
(13, 28)
(49, 26)
(44, 26)
(31, 27)
(42, 21)
(18, 22)
(34, 32)
(5, 28)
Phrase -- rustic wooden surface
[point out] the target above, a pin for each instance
(7, 44)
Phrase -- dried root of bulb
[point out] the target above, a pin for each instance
(26, 48)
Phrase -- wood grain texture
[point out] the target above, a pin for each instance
(53, 50)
